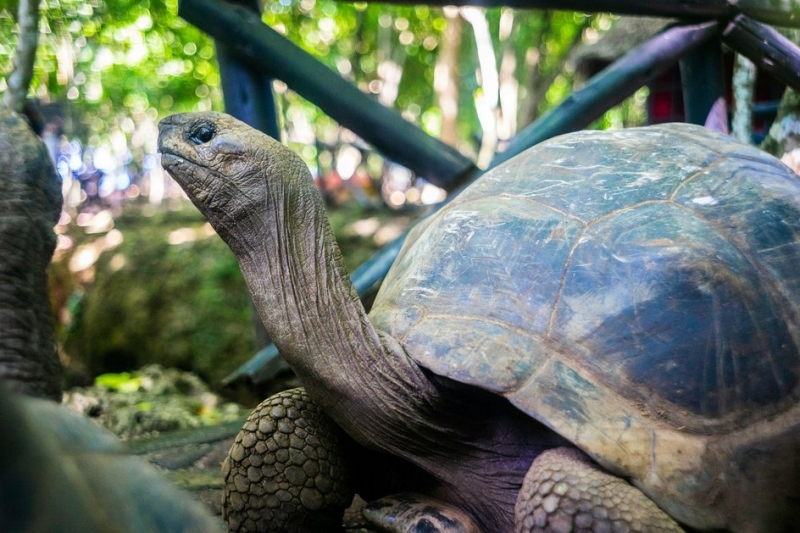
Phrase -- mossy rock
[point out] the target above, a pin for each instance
(151, 401)
(171, 293)
(180, 304)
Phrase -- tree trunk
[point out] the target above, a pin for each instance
(783, 140)
(19, 79)
(744, 81)
(509, 86)
(539, 81)
(445, 77)
(486, 98)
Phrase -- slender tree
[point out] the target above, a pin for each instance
(19, 79)
(445, 80)
(783, 140)
(744, 81)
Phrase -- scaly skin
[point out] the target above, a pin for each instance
(286, 470)
(565, 491)
(30, 203)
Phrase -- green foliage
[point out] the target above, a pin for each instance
(116, 66)
(119, 65)
(365, 41)
(120, 382)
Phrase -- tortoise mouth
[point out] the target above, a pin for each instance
(175, 158)
(192, 177)
(180, 168)
(170, 161)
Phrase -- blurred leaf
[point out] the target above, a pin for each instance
(121, 382)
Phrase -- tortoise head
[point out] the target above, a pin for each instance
(228, 169)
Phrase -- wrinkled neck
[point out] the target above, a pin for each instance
(304, 296)
(362, 378)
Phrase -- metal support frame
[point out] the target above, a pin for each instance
(611, 86)
(768, 49)
(247, 93)
(614, 84)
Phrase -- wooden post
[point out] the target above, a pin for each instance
(248, 96)
(703, 84)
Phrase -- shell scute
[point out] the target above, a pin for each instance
(488, 257)
(489, 354)
(756, 207)
(672, 311)
(579, 175)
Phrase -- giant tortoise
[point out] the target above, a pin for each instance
(60, 472)
(600, 334)
(30, 204)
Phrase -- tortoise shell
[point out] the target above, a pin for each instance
(637, 291)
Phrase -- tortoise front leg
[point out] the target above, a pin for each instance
(286, 471)
(565, 491)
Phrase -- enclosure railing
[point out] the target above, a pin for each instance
(251, 54)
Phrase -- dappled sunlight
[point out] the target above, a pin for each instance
(389, 232)
(364, 227)
(792, 159)
(96, 222)
(380, 234)
(190, 234)
(86, 255)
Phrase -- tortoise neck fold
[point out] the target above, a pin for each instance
(303, 294)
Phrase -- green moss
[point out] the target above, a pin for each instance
(180, 305)
(121, 382)
(151, 401)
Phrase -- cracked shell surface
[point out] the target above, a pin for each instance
(623, 259)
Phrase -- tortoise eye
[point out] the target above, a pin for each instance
(202, 134)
